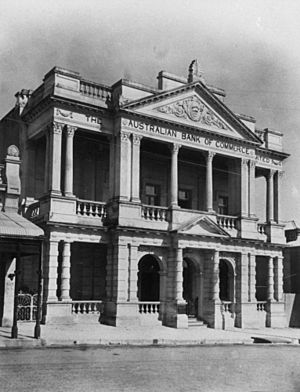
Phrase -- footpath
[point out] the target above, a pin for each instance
(102, 335)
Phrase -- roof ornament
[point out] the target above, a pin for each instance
(195, 73)
(22, 99)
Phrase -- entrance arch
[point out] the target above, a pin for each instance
(148, 279)
(226, 281)
(192, 285)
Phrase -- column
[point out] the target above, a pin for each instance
(270, 196)
(178, 274)
(112, 165)
(244, 187)
(174, 175)
(68, 185)
(52, 270)
(215, 276)
(209, 181)
(133, 272)
(135, 168)
(123, 174)
(251, 277)
(65, 271)
(252, 188)
(277, 194)
(47, 168)
(270, 279)
(278, 287)
(55, 157)
(242, 275)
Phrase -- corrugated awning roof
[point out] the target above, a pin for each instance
(15, 225)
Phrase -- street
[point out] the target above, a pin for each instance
(257, 368)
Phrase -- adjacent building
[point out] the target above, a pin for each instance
(148, 200)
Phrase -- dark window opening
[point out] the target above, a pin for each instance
(185, 198)
(152, 193)
(223, 205)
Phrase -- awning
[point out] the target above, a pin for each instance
(13, 225)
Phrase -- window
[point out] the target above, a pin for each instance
(223, 205)
(185, 198)
(152, 192)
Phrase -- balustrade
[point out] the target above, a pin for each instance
(227, 222)
(154, 213)
(261, 306)
(261, 228)
(86, 307)
(94, 90)
(91, 208)
(149, 307)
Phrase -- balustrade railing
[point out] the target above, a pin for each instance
(91, 208)
(94, 90)
(227, 306)
(33, 210)
(149, 307)
(227, 222)
(261, 228)
(86, 307)
(261, 306)
(154, 213)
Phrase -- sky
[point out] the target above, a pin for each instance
(249, 48)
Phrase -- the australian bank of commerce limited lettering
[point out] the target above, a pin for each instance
(188, 137)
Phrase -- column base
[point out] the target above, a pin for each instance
(175, 315)
(120, 314)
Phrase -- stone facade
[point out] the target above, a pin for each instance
(147, 199)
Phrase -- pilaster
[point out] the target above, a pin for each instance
(135, 168)
(65, 271)
(174, 175)
(209, 181)
(68, 185)
(55, 130)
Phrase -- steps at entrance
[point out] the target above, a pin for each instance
(194, 322)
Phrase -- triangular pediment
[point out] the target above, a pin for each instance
(194, 105)
(202, 226)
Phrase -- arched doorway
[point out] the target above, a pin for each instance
(226, 281)
(191, 287)
(148, 279)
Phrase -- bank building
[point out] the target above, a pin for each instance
(147, 198)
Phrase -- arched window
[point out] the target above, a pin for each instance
(148, 279)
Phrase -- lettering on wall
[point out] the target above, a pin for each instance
(188, 137)
(85, 119)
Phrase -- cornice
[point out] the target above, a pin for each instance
(273, 153)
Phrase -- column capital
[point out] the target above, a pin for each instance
(124, 136)
(210, 155)
(71, 130)
(174, 147)
(56, 127)
(280, 174)
(244, 161)
(252, 163)
(271, 173)
(136, 139)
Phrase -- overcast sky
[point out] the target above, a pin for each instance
(250, 48)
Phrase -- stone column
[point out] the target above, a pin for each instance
(47, 168)
(123, 174)
(278, 287)
(133, 273)
(179, 274)
(68, 186)
(209, 181)
(174, 175)
(215, 277)
(243, 278)
(55, 157)
(252, 188)
(52, 270)
(65, 272)
(277, 196)
(252, 277)
(270, 196)
(270, 279)
(112, 165)
(135, 168)
(244, 187)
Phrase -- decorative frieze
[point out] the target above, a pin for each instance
(193, 109)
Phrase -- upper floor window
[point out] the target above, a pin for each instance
(152, 193)
(223, 205)
(185, 198)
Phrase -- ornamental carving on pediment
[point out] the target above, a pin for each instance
(194, 110)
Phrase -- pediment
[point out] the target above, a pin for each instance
(202, 226)
(195, 106)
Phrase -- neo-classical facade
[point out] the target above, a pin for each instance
(147, 197)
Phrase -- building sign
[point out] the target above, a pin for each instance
(188, 137)
(83, 120)
(265, 160)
